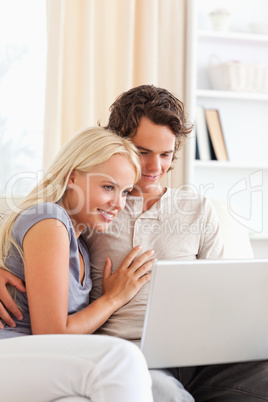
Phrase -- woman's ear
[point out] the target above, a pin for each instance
(71, 179)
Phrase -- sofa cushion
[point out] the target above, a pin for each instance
(235, 236)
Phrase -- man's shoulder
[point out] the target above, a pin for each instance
(181, 197)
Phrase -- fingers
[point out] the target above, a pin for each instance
(145, 278)
(141, 260)
(7, 277)
(107, 268)
(9, 305)
(17, 283)
(134, 265)
(5, 317)
(145, 268)
(130, 257)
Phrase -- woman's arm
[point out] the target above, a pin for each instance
(119, 288)
(46, 255)
(6, 301)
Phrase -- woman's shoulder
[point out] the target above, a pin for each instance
(44, 210)
(38, 213)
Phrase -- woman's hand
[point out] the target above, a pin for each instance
(6, 301)
(127, 280)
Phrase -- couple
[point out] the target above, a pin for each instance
(155, 122)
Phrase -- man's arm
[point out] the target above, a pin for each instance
(7, 304)
(211, 246)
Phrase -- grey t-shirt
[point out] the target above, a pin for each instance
(78, 293)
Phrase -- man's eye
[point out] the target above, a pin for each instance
(108, 188)
(165, 155)
(143, 152)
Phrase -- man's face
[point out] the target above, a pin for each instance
(156, 144)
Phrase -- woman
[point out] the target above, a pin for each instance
(86, 186)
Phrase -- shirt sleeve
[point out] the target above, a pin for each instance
(211, 244)
(35, 214)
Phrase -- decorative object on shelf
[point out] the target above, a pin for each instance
(220, 19)
(216, 134)
(258, 28)
(236, 75)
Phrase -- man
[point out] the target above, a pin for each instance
(177, 225)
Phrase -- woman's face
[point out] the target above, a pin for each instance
(94, 199)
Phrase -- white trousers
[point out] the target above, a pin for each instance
(46, 368)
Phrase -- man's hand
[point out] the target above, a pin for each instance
(6, 301)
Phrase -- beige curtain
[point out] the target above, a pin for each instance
(100, 48)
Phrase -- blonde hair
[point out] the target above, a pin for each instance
(82, 152)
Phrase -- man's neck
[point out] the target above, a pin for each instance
(149, 199)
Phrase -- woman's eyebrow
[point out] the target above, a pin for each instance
(109, 181)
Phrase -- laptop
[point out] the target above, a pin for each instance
(206, 312)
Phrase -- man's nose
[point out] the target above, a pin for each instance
(154, 163)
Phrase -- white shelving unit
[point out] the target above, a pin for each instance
(246, 96)
(243, 180)
(232, 35)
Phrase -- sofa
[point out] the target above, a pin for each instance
(235, 237)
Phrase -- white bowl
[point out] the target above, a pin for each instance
(258, 28)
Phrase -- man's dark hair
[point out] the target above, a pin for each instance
(157, 104)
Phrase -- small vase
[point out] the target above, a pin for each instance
(220, 22)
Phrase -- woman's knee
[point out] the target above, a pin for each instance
(130, 352)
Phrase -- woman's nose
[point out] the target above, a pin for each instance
(118, 201)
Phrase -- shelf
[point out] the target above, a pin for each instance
(244, 114)
(229, 165)
(258, 236)
(212, 93)
(232, 35)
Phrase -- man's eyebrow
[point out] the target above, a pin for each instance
(149, 150)
(144, 149)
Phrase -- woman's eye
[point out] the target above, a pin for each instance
(126, 192)
(143, 152)
(108, 188)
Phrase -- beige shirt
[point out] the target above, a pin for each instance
(179, 226)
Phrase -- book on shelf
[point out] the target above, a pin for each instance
(197, 155)
(216, 134)
(203, 143)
